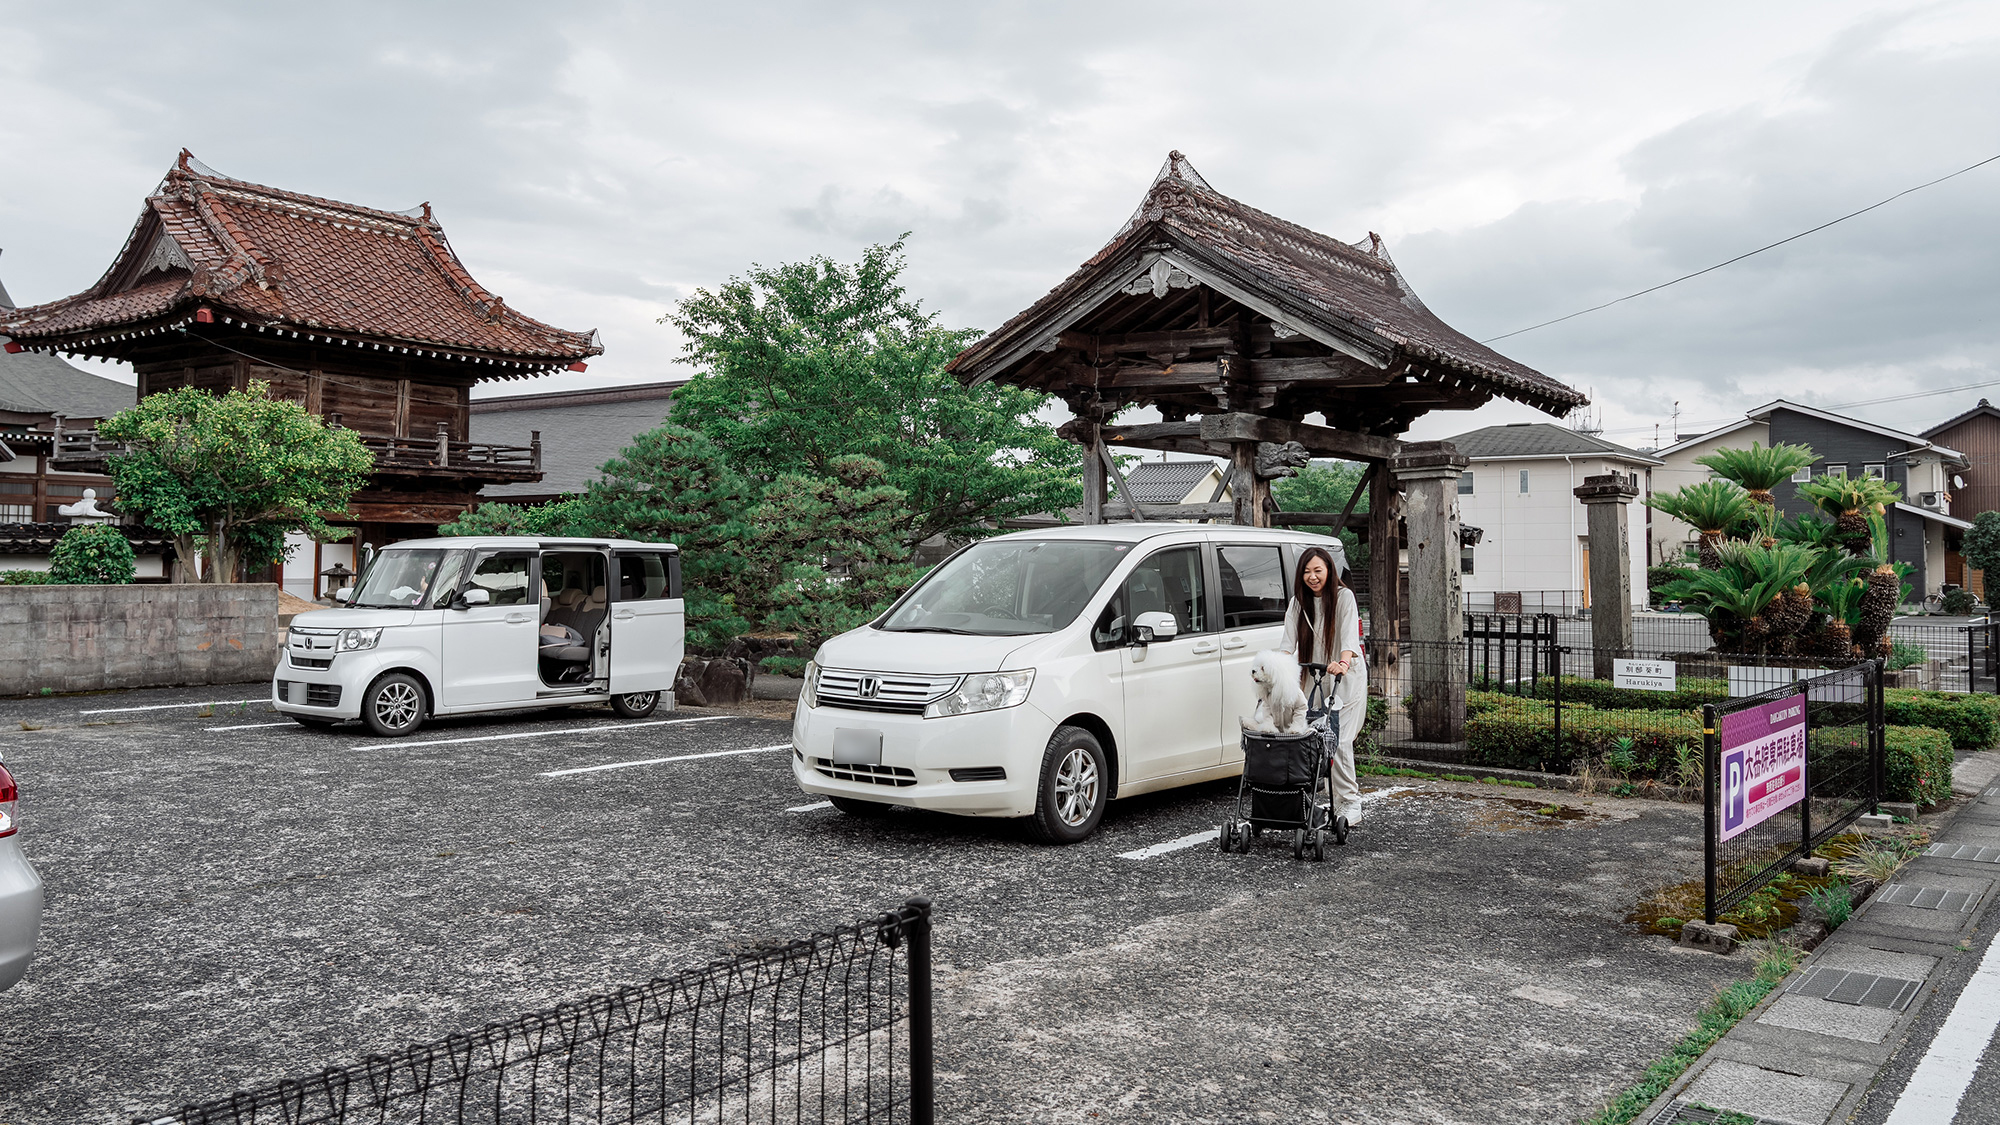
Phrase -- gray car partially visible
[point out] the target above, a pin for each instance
(20, 890)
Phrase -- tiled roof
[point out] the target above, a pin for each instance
(281, 260)
(31, 383)
(1167, 482)
(1354, 286)
(1540, 439)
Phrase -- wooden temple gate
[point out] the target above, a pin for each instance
(1236, 326)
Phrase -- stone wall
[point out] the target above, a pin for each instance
(89, 638)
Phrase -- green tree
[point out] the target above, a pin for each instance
(93, 554)
(671, 485)
(835, 544)
(1325, 487)
(809, 362)
(1982, 543)
(230, 474)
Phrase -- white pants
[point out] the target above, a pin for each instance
(1346, 783)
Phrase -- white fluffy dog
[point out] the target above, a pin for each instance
(1281, 704)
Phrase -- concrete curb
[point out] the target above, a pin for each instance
(1538, 780)
(1817, 1064)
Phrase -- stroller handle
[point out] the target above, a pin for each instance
(1319, 670)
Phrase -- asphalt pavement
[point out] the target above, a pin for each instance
(234, 898)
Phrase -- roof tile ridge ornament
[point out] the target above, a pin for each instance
(265, 269)
(203, 174)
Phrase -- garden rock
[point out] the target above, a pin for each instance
(1813, 867)
(1876, 820)
(1905, 809)
(1718, 938)
(725, 681)
(687, 686)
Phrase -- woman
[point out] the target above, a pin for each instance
(1323, 626)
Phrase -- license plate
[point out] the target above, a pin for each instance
(857, 747)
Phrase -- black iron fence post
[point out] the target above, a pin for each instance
(923, 1072)
(1805, 773)
(1878, 738)
(1555, 757)
(1710, 752)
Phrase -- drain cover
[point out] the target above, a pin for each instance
(1684, 1113)
(1928, 898)
(1970, 853)
(1863, 989)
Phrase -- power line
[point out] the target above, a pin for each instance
(1740, 257)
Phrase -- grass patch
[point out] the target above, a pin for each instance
(1506, 782)
(1388, 771)
(1458, 777)
(1731, 1004)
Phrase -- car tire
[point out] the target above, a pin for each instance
(394, 705)
(855, 806)
(1074, 788)
(635, 705)
(314, 724)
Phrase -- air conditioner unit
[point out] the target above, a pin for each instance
(1932, 500)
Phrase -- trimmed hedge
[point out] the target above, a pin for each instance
(1919, 765)
(1689, 695)
(1520, 737)
(1972, 721)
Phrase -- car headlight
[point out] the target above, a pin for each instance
(810, 688)
(354, 640)
(984, 691)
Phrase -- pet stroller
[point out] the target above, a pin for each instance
(1282, 774)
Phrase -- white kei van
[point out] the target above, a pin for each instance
(489, 623)
(1043, 673)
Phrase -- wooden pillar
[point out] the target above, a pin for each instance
(1243, 487)
(1604, 499)
(1428, 472)
(402, 408)
(1094, 480)
(1385, 603)
(315, 391)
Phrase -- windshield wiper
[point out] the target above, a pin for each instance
(939, 629)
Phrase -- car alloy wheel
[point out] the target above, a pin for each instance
(1074, 786)
(635, 705)
(394, 706)
(1077, 788)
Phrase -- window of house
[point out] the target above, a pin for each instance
(1836, 470)
(1465, 560)
(1524, 480)
(1465, 484)
(1875, 470)
(1803, 475)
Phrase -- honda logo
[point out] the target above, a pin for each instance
(867, 686)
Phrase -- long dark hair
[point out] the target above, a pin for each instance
(1329, 601)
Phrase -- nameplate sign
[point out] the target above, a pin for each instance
(1643, 675)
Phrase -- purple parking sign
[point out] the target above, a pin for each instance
(1763, 762)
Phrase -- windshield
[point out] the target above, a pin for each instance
(403, 579)
(1008, 588)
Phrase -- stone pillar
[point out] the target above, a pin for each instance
(1604, 498)
(1428, 473)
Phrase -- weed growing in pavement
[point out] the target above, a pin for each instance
(1877, 863)
(1687, 767)
(1457, 777)
(1388, 771)
(1834, 901)
(31, 726)
(48, 691)
(1732, 1003)
(1510, 783)
(207, 711)
(1724, 1116)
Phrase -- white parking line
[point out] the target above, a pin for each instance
(811, 807)
(173, 706)
(1210, 835)
(675, 758)
(1941, 1078)
(540, 733)
(257, 726)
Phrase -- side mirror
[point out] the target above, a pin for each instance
(343, 595)
(473, 597)
(1154, 626)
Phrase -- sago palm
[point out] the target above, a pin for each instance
(1711, 507)
(1851, 501)
(1752, 599)
(1759, 468)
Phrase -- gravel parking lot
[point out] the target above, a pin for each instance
(233, 898)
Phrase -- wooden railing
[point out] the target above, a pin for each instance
(76, 449)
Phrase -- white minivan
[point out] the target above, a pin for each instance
(489, 623)
(1043, 673)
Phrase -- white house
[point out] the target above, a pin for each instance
(1531, 530)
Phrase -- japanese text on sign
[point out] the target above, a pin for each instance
(1643, 675)
(1763, 763)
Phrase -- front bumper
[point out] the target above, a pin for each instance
(20, 912)
(919, 755)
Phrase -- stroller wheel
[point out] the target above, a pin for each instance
(1298, 843)
(1225, 836)
(1319, 846)
(1340, 830)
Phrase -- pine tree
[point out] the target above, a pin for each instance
(835, 544)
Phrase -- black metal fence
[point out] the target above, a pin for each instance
(1844, 764)
(832, 1028)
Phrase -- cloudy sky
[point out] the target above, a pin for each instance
(596, 162)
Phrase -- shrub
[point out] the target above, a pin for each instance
(26, 578)
(93, 554)
(1903, 654)
(1688, 695)
(1369, 741)
(1919, 765)
(1959, 603)
(1972, 721)
(1523, 737)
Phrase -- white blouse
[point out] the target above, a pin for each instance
(1344, 637)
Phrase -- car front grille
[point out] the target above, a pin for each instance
(308, 662)
(873, 775)
(980, 773)
(900, 693)
(322, 695)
